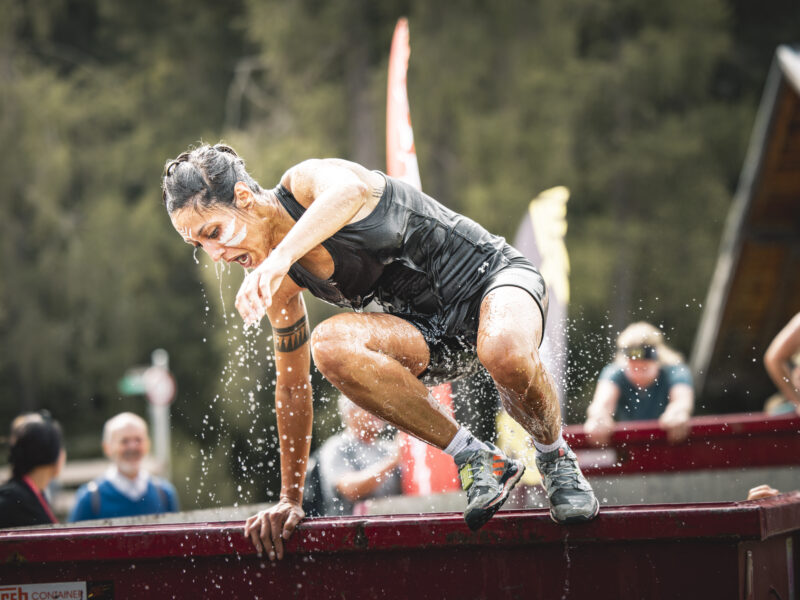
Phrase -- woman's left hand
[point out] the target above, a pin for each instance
(260, 286)
(676, 424)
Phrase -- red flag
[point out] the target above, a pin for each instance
(401, 155)
(426, 469)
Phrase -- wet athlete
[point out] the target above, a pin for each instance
(454, 297)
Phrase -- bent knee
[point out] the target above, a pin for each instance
(331, 341)
(511, 362)
(326, 342)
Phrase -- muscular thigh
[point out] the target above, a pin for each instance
(510, 313)
(378, 332)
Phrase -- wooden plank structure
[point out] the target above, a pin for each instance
(755, 289)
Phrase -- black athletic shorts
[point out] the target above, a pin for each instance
(455, 356)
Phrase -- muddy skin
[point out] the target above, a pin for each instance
(374, 359)
(508, 339)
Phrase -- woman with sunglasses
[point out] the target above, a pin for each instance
(647, 380)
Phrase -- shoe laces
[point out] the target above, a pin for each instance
(481, 468)
(564, 473)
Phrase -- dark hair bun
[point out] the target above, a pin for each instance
(226, 149)
(203, 177)
(35, 443)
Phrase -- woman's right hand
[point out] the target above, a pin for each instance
(270, 528)
(260, 286)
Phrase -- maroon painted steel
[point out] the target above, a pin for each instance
(744, 550)
(657, 551)
(718, 442)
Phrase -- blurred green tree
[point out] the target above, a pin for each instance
(642, 110)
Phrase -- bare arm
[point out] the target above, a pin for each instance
(293, 405)
(776, 359)
(357, 485)
(293, 398)
(335, 195)
(599, 423)
(675, 418)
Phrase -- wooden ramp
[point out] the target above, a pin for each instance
(755, 289)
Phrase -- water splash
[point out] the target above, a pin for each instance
(567, 564)
(235, 436)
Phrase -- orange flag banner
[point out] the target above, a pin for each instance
(401, 154)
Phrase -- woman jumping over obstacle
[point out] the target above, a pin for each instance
(454, 296)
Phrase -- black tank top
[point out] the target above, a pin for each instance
(412, 255)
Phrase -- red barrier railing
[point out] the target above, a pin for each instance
(715, 442)
(715, 550)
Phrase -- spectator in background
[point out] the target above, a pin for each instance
(353, 465)
(647, 380)
(126, 489)
(782, 361)
(37, 456)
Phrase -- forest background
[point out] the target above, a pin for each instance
(643, 109)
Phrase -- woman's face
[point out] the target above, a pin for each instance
(224, 232)
(641, 372)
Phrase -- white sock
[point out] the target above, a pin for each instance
(545, 448)
(464, 440)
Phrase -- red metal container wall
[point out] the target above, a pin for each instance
(669, 551)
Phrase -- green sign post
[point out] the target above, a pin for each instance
(132, 383)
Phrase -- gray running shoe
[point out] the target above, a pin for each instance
(571, 497)
(487, 476)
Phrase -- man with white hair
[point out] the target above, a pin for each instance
(126, 489)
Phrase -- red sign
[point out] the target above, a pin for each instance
(159, 385)
(428, 470)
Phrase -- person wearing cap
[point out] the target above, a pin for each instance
(37, 456)
(782, 361)
(647, 380)
(126, 489)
